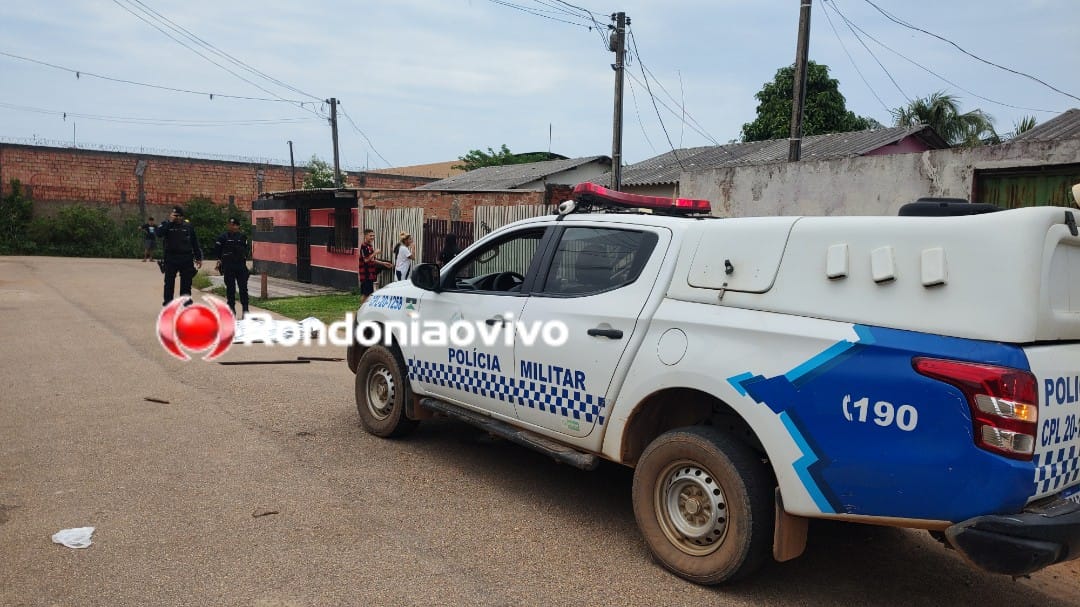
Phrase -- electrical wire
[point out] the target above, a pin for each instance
(693, 121)
(932, 72)
(81, 73)
(155, 121)
(191, 36)
(181, 43)
(871, 53)
(530, 11)
(653, 98)
(637, 112)
(852, 59)
(898, 21)
(364, 135)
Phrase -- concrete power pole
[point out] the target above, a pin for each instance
(292, 166)
(333, 128)
(617, 44)
(798, 98)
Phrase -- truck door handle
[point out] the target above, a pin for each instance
(496, 320)
(609, 333)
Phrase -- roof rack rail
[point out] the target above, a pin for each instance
(945, 207)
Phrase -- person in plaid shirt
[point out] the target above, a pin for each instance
(369, 265)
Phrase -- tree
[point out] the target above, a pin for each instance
(941, 111)
(320, 175)
(476, 159)
(824, 111)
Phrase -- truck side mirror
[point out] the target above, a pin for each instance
(426, 276)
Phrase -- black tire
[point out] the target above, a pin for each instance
(704, 502)
(381, 393)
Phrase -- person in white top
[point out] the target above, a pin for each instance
(404, 260)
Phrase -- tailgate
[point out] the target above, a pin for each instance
(1057, 450)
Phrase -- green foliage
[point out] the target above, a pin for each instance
(15, 213)
(1024, 125)
(81, 231)
(327, 308)
(942, 112)
(320, 175)
(476, 159)
(824, 111)
(208, 219)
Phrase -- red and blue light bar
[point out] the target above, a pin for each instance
(596, 195)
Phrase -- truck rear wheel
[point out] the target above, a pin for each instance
(381, 393)
(703, 501)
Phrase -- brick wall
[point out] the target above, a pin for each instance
(68, 175)
(459, 205)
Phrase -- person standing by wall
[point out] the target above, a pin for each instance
(149, 239)
(231, 250)
(180, 252)
(449, 251)
(403, 265)
(368, 271)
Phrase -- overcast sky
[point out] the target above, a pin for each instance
(427, 81)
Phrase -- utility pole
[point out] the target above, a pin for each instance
(798, 98)
(292, 166)
(333, 128)
(617, 44)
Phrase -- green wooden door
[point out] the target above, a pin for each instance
(1028, 186)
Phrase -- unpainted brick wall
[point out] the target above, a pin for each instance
(63, 175)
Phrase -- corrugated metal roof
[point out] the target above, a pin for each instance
(509, 176)
(1064, 126)
(665, 168)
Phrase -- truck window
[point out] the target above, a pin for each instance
(500, 266)
(594, 260)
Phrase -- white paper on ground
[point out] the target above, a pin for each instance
(78, 537)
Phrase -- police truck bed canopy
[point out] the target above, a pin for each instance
(996, 276)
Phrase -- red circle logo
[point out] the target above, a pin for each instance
(183, 323)
(197, 328)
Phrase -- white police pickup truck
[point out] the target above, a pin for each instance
(919, 372)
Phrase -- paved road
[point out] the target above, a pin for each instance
(447, 517)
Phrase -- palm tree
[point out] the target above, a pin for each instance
(941, 111)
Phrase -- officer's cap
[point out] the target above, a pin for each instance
(234, 221)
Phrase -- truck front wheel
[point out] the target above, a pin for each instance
(703, 501)
(381, 393)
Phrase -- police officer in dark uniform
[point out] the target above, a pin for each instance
(181, 253)
(231, 250)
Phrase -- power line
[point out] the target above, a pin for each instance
(181, 43)
(530, 11)
(878, 61)
(935, 74)
(681, 105)
(600, 29)
(211, 95)
(191, 36)
(640, 123)
(364, 135)
(641, 64)
(852, 59)
(155, 121)
(898, 21)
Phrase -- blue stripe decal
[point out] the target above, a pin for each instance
(832, 352)
(736, 381)
(802, 465)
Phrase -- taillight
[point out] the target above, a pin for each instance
(1003, 401)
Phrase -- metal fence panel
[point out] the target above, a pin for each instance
(492, 218)
(388, 223)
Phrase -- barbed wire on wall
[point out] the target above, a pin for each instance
(103, 147)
